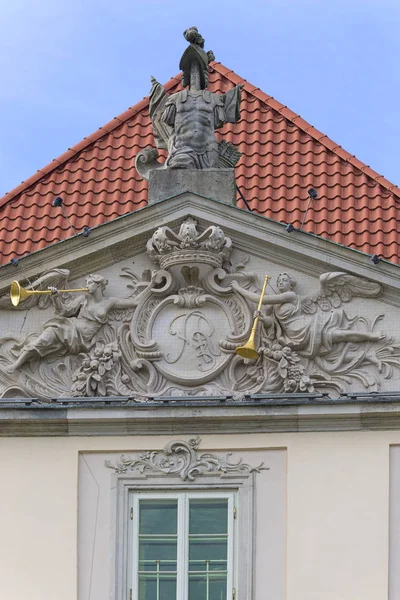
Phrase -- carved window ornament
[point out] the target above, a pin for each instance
(181, 459)
(181, 474)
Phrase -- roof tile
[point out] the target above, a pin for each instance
(282, 156)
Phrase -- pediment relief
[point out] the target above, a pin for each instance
(169, 324)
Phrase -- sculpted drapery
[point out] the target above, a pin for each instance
(178, 329)
(76, 323)
(318, 328)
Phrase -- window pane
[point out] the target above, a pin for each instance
(208, 548)
(161, 550)
(198, 588)
(208, 516)
(149, 589)
(158, 516)
(157, 549)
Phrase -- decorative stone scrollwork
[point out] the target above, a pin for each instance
(178, 327)
(167, 248)
(182, 459)
(191, 333)
(176, 331)
(93, 375)
(310, 342)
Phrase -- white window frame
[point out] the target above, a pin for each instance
(183, 498)
(239, 487)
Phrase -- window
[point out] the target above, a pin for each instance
(182, 526)
(111, 487)
(182, 545)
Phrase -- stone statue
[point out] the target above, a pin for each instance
(184, 123)
(317, 327)
(76, 323)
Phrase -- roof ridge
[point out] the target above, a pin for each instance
(302, 124)
(82, 145)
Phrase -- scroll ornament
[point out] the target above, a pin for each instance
(182, 459)
(176, 331)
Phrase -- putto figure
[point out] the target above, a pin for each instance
(184, 123)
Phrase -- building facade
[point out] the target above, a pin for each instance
(146, 452)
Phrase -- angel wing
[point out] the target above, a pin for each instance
(337, 288)
(157, 99)
(56, 278)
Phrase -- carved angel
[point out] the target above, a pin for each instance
(317, 327)
(76, 323)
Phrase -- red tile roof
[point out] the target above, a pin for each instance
(283, 156)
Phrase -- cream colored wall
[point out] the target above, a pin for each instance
(337, 511)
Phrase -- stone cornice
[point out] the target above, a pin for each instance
(113, 416)
(127, 235)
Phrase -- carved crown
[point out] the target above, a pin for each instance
(167, 248)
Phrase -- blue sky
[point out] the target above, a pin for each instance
(70, 66)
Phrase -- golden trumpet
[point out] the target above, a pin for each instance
(249, 349)
(19, 294)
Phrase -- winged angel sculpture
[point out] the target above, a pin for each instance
(76, 323)
(313, 338)
(177, 330)
(82, 331)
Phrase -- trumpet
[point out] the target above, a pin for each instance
(19, 294)
(249, 349)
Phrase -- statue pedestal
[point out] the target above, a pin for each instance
(217, 184)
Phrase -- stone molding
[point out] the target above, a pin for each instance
(117, 240)
(87, 418)
(121, 488)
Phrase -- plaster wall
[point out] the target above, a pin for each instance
(336, 499)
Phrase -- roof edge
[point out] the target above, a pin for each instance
(82, 145)
(307, 128)
(179, 207)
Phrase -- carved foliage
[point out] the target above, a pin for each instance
(93, 375)
(176, 332)
(182, 459)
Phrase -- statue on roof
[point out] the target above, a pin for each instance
(184, 123)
